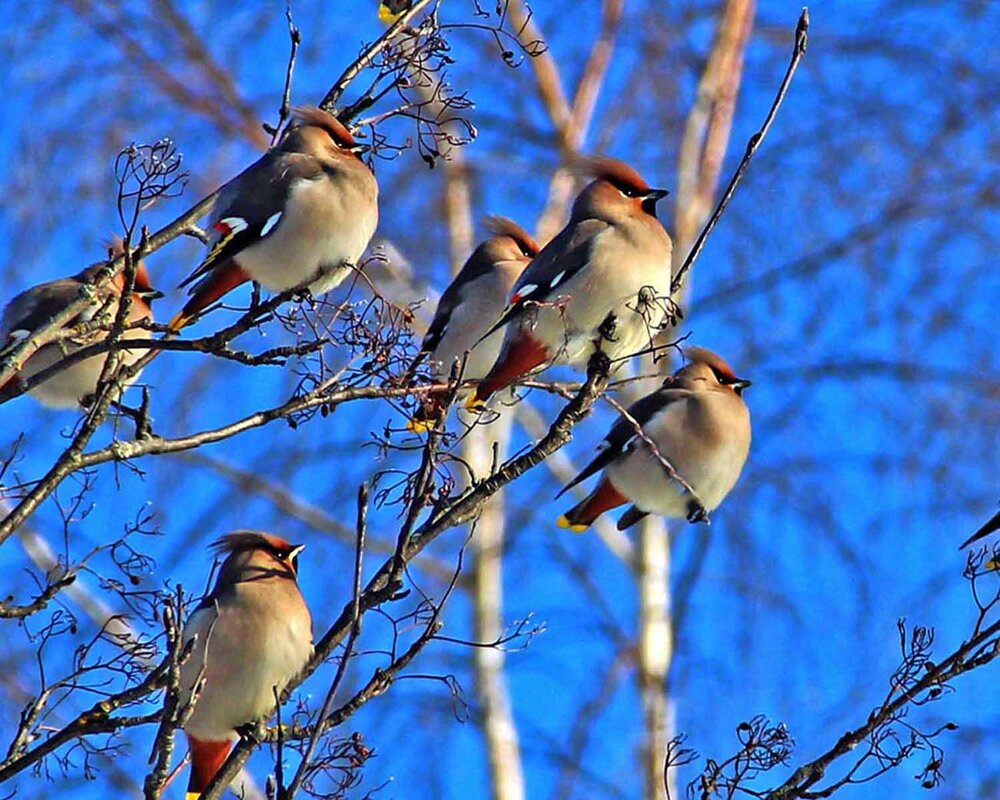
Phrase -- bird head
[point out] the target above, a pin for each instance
(510, 241)
(317, 129)
(256, 556)
(703, 364)
(617, 189)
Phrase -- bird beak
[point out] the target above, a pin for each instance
(740, 384)
(655, 194)
(296, 551)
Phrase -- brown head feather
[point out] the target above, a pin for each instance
(116, 249)
(702, 355)
(251, 540)
(505, 226)
(611, 170)
(318, 118)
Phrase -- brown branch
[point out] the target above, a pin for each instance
(978, 651)
(8, 611)
(383, 585)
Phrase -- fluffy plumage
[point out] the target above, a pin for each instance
(33, 308)
(253, 634)
(467, 309)
(699, 423)
(306, 210)
(601, 283)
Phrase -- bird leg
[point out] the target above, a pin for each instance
(608, 329)
(696, 512)
(599, 364)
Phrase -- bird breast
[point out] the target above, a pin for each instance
(252, 647)
(480, 305)
(67, 387)
(705, 438)
(324, 229)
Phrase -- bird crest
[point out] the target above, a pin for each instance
(318, 118)
(504, 226)
(615, 172)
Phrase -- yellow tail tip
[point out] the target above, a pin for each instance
(473, 403)
(192, 796)
(419, 425)
(180, 320)
(387, 17)
(576, 527)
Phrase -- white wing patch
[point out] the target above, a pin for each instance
(557, 279)
(524, 291)
(269, 225)
(235, 224)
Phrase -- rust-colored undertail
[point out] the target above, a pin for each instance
(224, 278)
(582, 515)
(207, 758)
(521, 357)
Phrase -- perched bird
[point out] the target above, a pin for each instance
(473, 301)
(991, 525)
(600, 284)
(305, 210)
(33, 308)
(699, 423)
(391, 10)
(253, 634)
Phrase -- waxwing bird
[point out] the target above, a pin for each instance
(993, 524)
(305, 210)
(467, 309)
(699, 424)
(391, 10)
(252, 635)
(33, 308)
(600, 284)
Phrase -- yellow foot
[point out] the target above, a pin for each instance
(576, 527)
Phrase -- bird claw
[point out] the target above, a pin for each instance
(248, 731)
(608, 329)
(696, 513)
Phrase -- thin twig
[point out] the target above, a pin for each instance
(798, 51)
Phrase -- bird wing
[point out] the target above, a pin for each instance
(442, 316)
(31, 309)
(565, 256)
(622, 435)
(251, 205)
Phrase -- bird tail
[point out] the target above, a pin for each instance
(631, 517)
(8, 388)
(993, 524)
(430, 411)
(207, 759)
(522, 355)
(582, 515)
(224, 278)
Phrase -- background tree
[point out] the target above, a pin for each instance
(849, 279)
